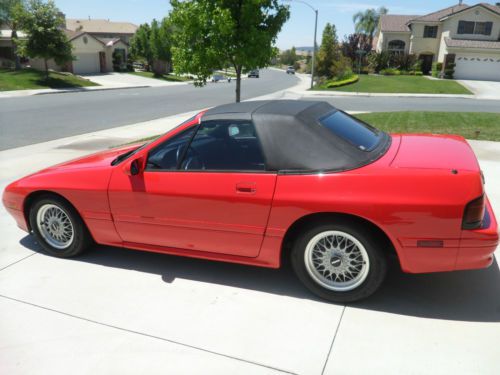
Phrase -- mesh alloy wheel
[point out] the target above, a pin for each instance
(336, 261)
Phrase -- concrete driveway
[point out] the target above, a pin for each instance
(127, 80)
(483, 89)
(118, 311)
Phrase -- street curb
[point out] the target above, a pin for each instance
(393, 95)
(91, 90)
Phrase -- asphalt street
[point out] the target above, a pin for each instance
(41, 118)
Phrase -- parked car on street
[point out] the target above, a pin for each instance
(220, 78)
(290, 70)
(253, 73)
(264, 181)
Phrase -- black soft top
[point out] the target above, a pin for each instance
(293, 139)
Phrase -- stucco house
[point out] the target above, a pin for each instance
(93, 41)
(467, 35)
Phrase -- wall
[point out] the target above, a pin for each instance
(419, 44)
(92, 45)
(483, 15)
(389, 36)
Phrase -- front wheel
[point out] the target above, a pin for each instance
(58, 227)
(338, 262)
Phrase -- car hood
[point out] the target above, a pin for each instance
(97, 160)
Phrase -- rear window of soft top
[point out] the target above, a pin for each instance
(359, 134)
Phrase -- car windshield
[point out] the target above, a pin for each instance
(130, 153)
(356, 132)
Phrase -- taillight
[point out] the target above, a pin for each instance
(473, 214)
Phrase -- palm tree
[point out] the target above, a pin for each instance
(7, 9)
(367, 22)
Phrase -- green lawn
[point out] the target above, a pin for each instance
(471, 125)
(403, 84)
(33, 79)
(165, 77)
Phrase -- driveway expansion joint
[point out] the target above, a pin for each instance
(333, 339)
(146, 334)
(17, 261)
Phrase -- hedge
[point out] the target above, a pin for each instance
(343, 82)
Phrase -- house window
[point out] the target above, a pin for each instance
(471, 27)
(430, 31)
(396, 46)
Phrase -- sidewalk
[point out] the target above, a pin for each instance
(106, 81)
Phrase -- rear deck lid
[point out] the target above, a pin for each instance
(432, 151)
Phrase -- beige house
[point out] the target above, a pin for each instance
(93, 41)
(467, 35)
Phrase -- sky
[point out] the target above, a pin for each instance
(298, 31)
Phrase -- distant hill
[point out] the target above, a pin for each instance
(305, 49)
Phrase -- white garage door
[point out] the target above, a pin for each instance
(86, 63)
(477, 67)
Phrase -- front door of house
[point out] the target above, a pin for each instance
(102, 61)
(426, 63)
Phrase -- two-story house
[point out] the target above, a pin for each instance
(467, 35)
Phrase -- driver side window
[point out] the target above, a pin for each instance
(225, 146)
(168, 154)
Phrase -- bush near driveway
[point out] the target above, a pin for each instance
(34, 79)
(337, 83)
(471, 125)
(403, 84)
(165, 77)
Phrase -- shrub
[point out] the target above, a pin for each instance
(117, 61)
(390, 72)
(341, 68)
(378, 61)
(449, 71)
(403, 61)
(419, 73)
(436, 69)
(346, 81)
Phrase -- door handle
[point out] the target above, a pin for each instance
(246, 187)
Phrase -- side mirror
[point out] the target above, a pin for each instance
(134, 167)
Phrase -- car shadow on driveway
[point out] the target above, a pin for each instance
(462, 295)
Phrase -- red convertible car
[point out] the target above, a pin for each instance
(258, 182)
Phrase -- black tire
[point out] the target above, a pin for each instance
(81, 236)
(377, 262)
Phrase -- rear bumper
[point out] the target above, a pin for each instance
(477, 246)
(474, 249)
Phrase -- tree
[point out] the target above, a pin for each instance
(7, 10)
(140, 47)
(160, 45)
(210, 33)
(367, 22)
(289, 56)
(354, 42)
(329, 51)
(45, 39)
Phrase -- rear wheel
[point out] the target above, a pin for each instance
(339, 262)
(58, 227)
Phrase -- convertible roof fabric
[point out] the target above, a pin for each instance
(293, 139)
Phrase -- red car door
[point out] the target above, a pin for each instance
(216, 198)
